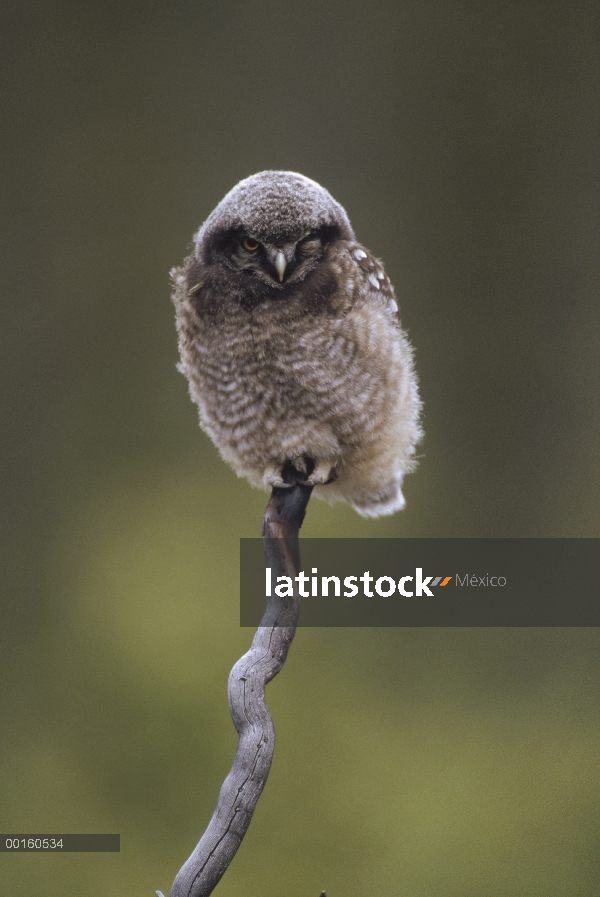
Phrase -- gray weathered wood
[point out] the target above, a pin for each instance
(240, 791)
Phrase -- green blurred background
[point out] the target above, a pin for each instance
(462, 139)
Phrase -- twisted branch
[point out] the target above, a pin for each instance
(239, 794)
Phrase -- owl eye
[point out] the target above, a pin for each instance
(249, 244)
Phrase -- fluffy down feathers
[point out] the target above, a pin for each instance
(313, 368)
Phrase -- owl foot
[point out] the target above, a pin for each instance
(323, 472)
(300, 465)
(275, 481)
(284, 476)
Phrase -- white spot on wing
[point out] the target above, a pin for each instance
(373, 281)
(393, 305)
(359, 254)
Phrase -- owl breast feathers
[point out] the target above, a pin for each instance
(291, 342)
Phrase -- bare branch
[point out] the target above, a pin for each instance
(239, 794)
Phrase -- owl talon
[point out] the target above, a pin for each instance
(275, 482)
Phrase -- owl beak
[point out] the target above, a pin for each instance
(280, 264)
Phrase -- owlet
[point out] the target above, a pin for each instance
(290, 338)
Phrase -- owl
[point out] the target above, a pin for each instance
(290, 338)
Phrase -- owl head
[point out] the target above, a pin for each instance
(273, 226)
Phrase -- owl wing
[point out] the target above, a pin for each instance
(377, 283)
